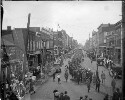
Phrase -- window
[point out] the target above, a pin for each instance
(37, 45)
(104, 40)
(119, 29)
(41, 44)
(105, 34)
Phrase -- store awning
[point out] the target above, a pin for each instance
(37, 52)
(117, 47)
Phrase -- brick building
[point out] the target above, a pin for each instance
(102, 34)
(117, 41)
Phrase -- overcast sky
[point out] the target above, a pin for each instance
(77, 18)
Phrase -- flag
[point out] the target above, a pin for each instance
(58, 25)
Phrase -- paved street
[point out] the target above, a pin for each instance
(45, 92)
(93, 67)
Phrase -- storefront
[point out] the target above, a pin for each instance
(117, 55)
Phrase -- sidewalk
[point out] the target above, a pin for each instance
(37, 85)
(118, 65)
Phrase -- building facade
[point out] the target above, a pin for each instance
(117, 38)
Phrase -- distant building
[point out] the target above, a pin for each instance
(117, 42)
(102, 33)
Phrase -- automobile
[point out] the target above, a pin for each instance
(115, 71)
(100, 61)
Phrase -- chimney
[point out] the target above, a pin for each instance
(9, 28)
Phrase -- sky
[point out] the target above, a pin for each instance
(77, 18)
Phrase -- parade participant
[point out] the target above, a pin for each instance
(88, 84)
(78, 77)
(54, 74)
(58, 76)
(91, 60)
(84, 75)
(66, 97)
(94, 78)
(97, 74)
(108, 63)
(98, 84)
(81, 98)
(86, 97)
(103, 77)
(32, 87)
(66, 75)
(90, 76)
(113, 84)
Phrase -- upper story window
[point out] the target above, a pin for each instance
(105, 34)
(37, 45)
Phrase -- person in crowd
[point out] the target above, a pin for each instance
(56, 94)
(91, 60)
(59, 80)
(32, 87)
(88, 84)
(66, 97)
(116, 95)
(98, 84)
(54, 91)
(113, 84)
(13, 96)
(86, 97)
(91, 74)
(81, 75)
(97, 73)
(103, 77)
(78, 77)
(66, 67)
(54, 74)
(81, 98)
(94, 78)
(61, 96)
(106, 97)
(66, 75)
(108, 63)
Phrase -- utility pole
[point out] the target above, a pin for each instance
(123, 44)
(53, 49)
(28, 39)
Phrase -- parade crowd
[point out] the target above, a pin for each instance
(80, 74)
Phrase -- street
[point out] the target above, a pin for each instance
(45, 92)
(38, 41)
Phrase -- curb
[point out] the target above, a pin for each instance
(42, 82)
